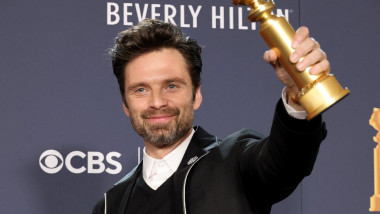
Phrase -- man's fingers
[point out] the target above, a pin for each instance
(322, 66)
(307, 46)
(301, 34)
(311, 59)
(270, 56)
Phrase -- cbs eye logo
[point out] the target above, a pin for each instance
(51, 161)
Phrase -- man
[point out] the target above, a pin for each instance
(185, 169)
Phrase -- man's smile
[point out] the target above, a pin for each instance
(159, 118)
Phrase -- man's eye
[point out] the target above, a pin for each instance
(140, 90)
(171, 86)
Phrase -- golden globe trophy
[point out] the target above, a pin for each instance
(317, 92)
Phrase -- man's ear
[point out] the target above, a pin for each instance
(126, 110)
(198, 98)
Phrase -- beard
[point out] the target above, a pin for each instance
(163, 135)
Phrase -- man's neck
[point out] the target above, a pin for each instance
(160, 152)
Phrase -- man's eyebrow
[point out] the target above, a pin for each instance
(176, 79)
(135, 85)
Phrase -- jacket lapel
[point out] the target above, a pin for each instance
(117, 198)
(200, 144)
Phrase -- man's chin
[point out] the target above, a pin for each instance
(158, 130)
(161, 141)
(158, 135)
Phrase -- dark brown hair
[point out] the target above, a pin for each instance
(152, 35)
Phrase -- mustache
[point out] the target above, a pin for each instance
(168, 111)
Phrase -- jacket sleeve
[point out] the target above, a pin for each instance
(273, 167)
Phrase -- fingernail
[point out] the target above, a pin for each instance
(294, 44)
(301, 66)
(294, 57)
(268, 55)
(311, 71)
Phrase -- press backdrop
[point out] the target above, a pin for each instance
(65, 139)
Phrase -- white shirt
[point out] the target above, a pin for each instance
(157, 171)
(291, 111)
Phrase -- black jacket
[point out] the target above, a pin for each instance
(242, 174)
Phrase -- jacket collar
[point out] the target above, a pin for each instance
(117, 197)
(201, 142)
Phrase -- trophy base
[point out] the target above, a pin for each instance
(375, 203)
(322, 95)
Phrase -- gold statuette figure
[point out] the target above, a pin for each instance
(375, 123)
(317, 92)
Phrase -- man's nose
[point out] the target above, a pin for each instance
(158, 100)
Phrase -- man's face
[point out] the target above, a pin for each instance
(159, 95)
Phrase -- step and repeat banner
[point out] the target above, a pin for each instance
(65, 139)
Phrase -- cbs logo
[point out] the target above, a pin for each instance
(51, 161)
